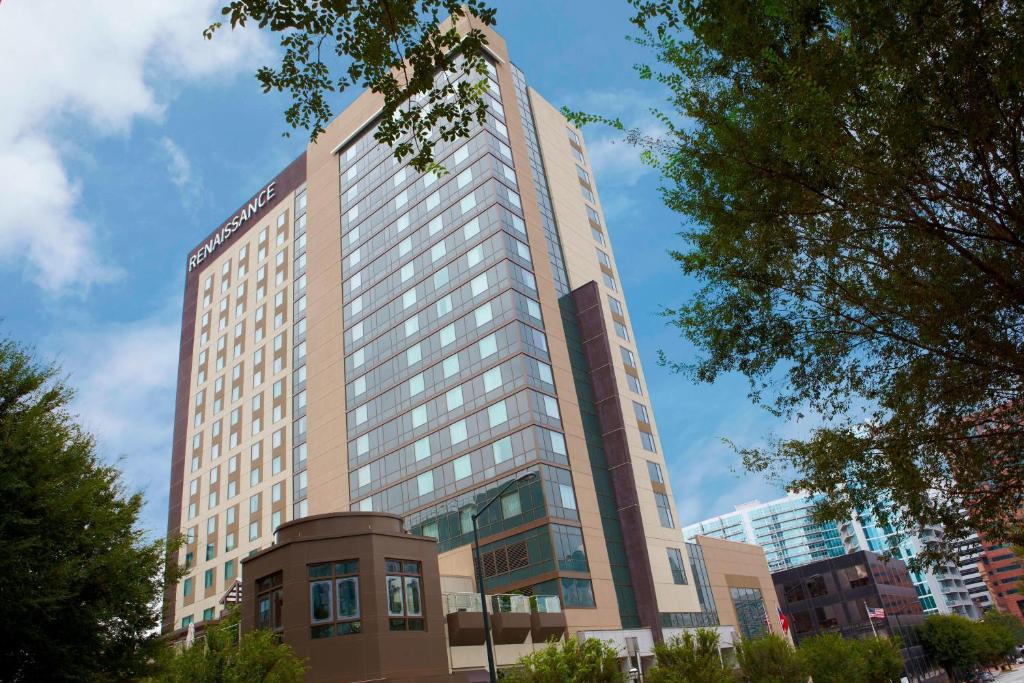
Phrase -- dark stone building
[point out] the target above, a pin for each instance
(834, 595)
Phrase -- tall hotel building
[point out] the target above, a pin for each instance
(360, 336)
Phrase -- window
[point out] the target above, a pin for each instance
(463, 468)
(405, 595)
(594, 218)
(334, 599)
(497, 414)
(488, 346)
(603, 259)
(502, 449)
(627, 357)
(511, 505)
(483, 315)
(582, 175)
(186, 587)
(664, 510)
(621, 330)
(640, 410)
(615, 306)
(675, 563)
(422, 448)
(457, 432)
(647, 441)
(492, 379)
(634, 384)
(425, 483)
(453, 399)
(654, 469)
(269, 602)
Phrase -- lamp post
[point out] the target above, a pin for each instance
(492, 672)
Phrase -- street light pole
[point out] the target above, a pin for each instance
(491, 670)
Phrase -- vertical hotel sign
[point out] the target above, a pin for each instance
(231, 225)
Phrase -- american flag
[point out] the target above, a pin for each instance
(876, 613)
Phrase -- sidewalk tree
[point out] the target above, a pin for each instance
(770, 659)
(951, 641)
(852, 183)
(996, 641)
(393, 48)
(571, 661)
(693, 657)
(79, 582)
(830, 658)
(883, 661)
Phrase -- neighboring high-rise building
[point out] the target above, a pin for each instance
(970, 558)
(361, 336)
(783, 527)
(791, 538)
(1002, 569)
(941, 589)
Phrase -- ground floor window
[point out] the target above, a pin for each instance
(334, 599)
(404, 583)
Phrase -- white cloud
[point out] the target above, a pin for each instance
(614, 161)
(124, 375)
(73, 68)
(179, 168)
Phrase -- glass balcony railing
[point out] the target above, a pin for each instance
(510, 603)
(545, 603)
(462, 602)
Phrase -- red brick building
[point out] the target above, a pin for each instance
(1003, 572)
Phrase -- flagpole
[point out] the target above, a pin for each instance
(870, 620)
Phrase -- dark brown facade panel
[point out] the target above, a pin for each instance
(594, 335)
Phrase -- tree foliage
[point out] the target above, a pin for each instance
(395, 48)
(693, 657)
(952, 641)
(221, 657)
(770, 659)
(572, 661)
(79, 582)
(830, 658)
(852, 175)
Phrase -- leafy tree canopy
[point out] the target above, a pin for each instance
(852, 178)
(79, 582)
(221, 657)
(571, 661)
(830, 658)
(395, 48)
(770, 659)
(692, 657)
(952, 641)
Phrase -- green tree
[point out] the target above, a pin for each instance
(79, 582)
(221, 657)
(883, 661)
(693, 657)
(830, 658)
(1007, 621)
(952, 641)
(996, 642)
(572, 661)
(771, 659)
(428, 73)
(852, 178)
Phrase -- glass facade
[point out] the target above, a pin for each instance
(784, 528)
(448, 376)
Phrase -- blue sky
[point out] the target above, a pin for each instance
(125, 138)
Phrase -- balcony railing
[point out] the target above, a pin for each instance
(508, 602)
(544, 604)
(462, 602)
(505, 602)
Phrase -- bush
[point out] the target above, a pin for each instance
(573, 661)
(221, 657)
